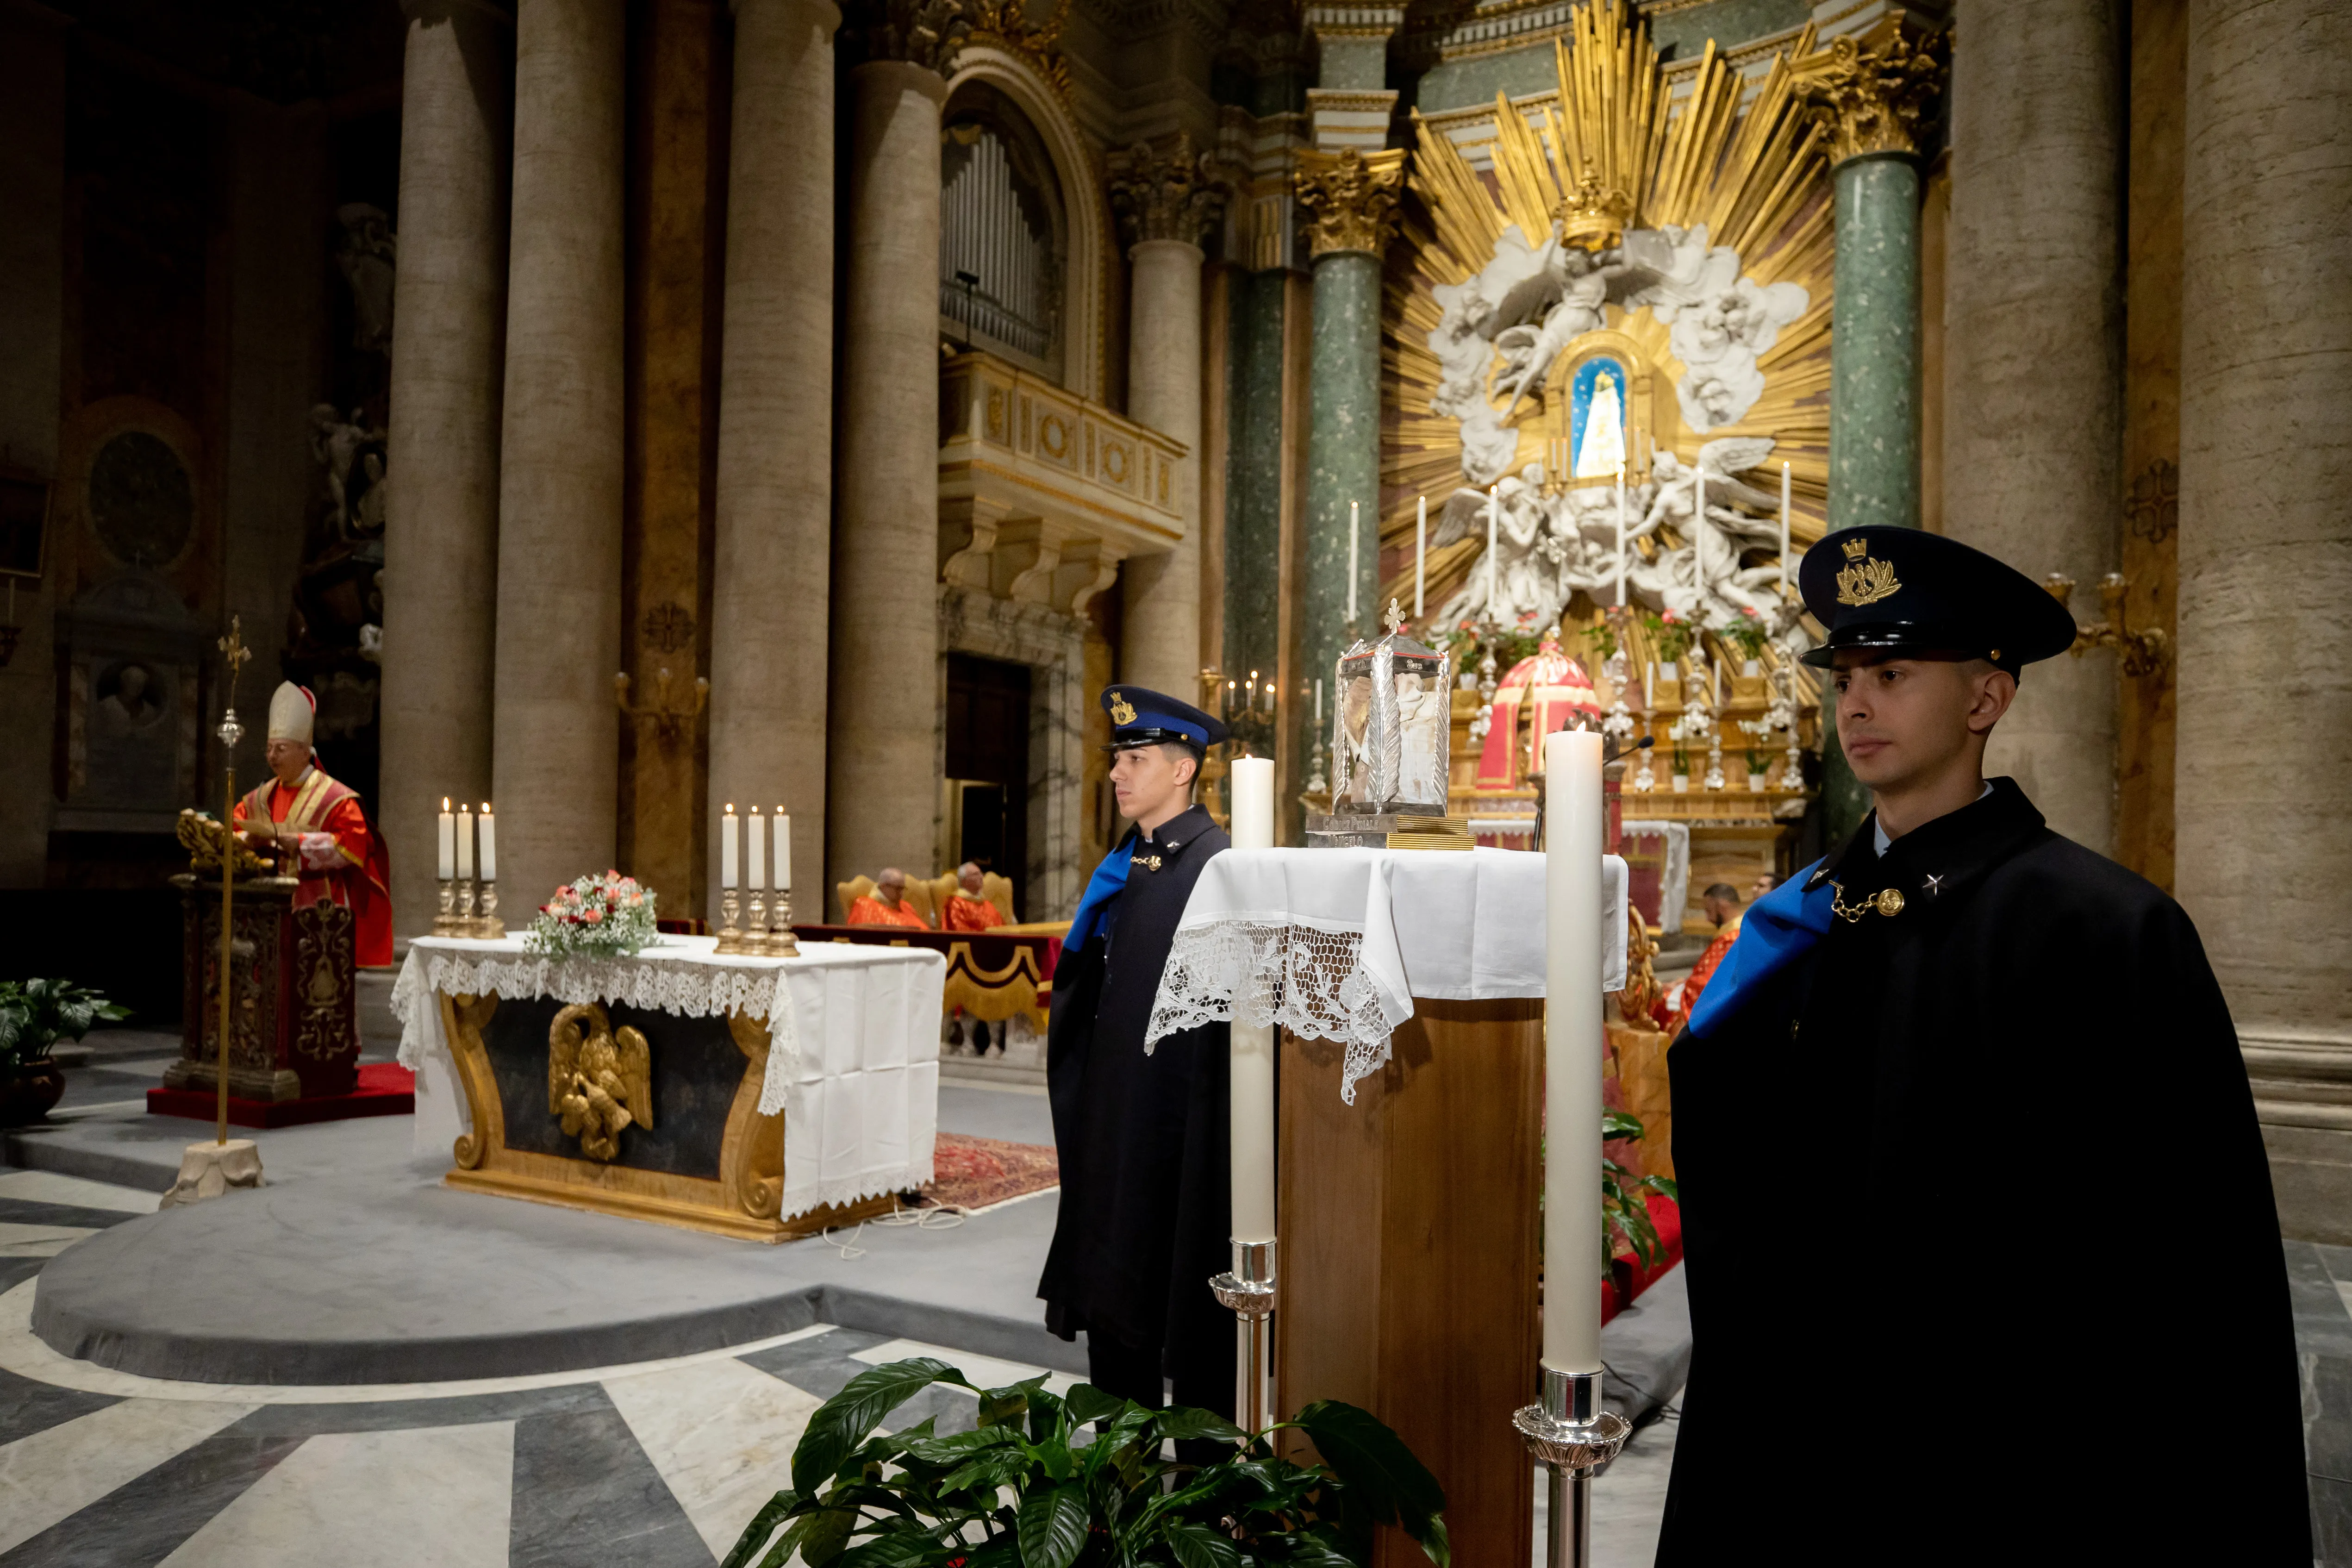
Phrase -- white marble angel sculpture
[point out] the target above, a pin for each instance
(1525, 572)
(1704, 580)
(1515, 284)
(1718, 321)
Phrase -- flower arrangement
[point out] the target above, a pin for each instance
(1744, 632)
(595, 917)
(1669, 633)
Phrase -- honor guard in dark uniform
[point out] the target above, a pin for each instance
(1145, 1213)
(1983, 1262)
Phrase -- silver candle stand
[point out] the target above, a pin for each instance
(1573, 1437)
(1248, 1290)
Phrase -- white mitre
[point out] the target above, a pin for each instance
(291, 711)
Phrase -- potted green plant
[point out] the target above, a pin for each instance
(1626, 1229)
(1020, 1489)
(34, 1014)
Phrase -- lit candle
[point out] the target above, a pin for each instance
(784, 851)
(1420, 553)
(1784, 530)
(1572, 1234)
(1318, 702)
(465, 843)
(448, 841)
(1251, 1091)
(1620, 535)
(1351, 560)
(1493, 505)
(489, 830)
(728, 846)
(756, 859)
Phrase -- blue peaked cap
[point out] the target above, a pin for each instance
(1142, 717)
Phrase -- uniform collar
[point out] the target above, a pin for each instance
(1938, 859)
(1177, 831)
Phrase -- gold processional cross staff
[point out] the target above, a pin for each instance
(231, 733)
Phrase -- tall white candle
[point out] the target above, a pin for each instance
(1573, 1040)
(1420, 553)
(465, 842)
(755, 859)
(1318, 702)
(448, 840)
(1494, 506)
(1698, 496)
(1351, 560)
(729, 847)
(784, 851)
(1251, 1093)
(1620, 535)
(487, 828)
(1649, 699)
(1784, 530)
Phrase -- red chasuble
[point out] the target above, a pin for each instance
(965, 912)
(337, 856)
(870, 910)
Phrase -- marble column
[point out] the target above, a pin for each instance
(882, 752)
(557, 734)
(1868, 94)
(441, 518)
(1164, 199)
(2265, 780)
(2034, 326)
(1252, 519)
(1353, 199)
(770, 618)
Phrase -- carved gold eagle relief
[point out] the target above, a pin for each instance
(599, 1082)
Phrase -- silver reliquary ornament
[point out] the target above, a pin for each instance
(1390, 737)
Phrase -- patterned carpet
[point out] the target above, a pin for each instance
(976, 1173)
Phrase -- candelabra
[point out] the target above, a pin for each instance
(1715, 757)
(755, 924)
(730, 938)
(487, 924)
(1249, 1290)
(1573, 1437)
(780, 943)
(465, 926)
(446, 922)
(1645, 781)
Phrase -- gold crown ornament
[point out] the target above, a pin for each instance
(1122, 712)
(1591, 216)
(1866, 581)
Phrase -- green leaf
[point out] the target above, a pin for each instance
(899, 1549)
(1004, 1406)
(958, 1446)
(843, 1421)
(1053, 1527)
(1184, 1423)
(1086, 1402)
(1372, 1462)
(1198, 1546)
(1316, 1548)
(763, 1524)
(1618, 1124)
(828, 1533)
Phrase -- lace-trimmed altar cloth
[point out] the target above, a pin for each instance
(1334, 944)
(853, 1062)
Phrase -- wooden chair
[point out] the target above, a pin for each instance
(930, 897)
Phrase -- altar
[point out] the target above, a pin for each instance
(753, 1096)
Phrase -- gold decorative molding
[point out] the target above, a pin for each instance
(599, 1081)
(1592, 217)
(1352, 198)
(1005, 23)
(1869, 92)
(927, 32)
(1170, 194)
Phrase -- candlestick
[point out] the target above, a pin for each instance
(728, 849)
(781, 940)
(1567, 1428)
(465, 843)
(755, 859)
(487, 924)
(1420, 553)
(486, 831)
(1351, 562)
(444, 922)
(448, 841)
(1621, 536)
(1784, 530)
(1248, 1290)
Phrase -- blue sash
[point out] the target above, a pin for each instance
(1778, 928)
(1101, 889)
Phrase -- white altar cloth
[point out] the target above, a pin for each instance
(853, 1062)
(1334, 944)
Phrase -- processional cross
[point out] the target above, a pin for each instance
(235, 653)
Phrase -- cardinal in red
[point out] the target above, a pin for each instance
(318, 832)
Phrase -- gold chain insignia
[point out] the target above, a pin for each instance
(1122, 712)
(1866, 581)
(1149, 862)
(1885, 902)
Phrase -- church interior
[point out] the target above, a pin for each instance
(488, 488)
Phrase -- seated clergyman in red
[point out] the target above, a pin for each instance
(887, 905)
(967, 911)
(318, 831)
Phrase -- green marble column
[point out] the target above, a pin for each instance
(1874, 395)
(1343, 456)
(1253, 475)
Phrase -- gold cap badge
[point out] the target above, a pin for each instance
(1122, 712)
(1866, 581)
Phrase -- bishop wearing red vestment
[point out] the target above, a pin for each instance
(318, 831)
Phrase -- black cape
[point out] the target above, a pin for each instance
(1982, 1256)
(1146, 1212)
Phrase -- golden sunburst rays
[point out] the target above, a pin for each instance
(1707, 142)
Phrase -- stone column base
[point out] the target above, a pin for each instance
(209, 1169)
(2303, 1097)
